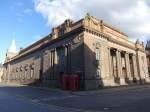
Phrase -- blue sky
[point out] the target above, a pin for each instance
(27, 21)
(19, 20)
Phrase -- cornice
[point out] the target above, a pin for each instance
(44, 45)
(110, 39)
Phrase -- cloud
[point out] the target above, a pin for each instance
(58, 10)
(28, 11)
(131, 16)
(22, 14)
(19, 4)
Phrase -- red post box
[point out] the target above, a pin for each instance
(74, 82)
(65, 82)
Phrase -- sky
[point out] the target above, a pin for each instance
(27, 21)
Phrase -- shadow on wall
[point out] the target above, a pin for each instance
(75, 58)
(93, 79)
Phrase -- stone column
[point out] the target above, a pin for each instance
(110, 63)
(55, 63)
(147, 78)
(135, 67)
(23, 73)
(111, 77)
(128, 67)
(119, 67)
(26, 73)
(8, 75)
(118, 64)
(50, 65)
(29, 73)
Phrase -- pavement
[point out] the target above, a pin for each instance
(19, 98)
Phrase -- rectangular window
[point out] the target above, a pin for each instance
(97, 52)
(98, 73)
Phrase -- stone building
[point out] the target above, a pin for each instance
(99, 53)
(147, 48)
(1, 71)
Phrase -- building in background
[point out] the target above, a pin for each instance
(1, 71)
(147, 48)
(12, 52)
(99, 53)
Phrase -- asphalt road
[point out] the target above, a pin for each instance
(15, 98)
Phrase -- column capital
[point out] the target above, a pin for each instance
(119, 50)
(108, 47)
(123, 51)
(134, 54)
(127, 53)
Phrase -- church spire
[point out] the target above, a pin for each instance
(11, 51)
(12, 48)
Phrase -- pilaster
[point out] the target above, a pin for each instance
(135, 68)
(128, 67)
(111, 77)
(120, 74)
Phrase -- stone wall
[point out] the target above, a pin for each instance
(100, 54)
(45, 66)
(1, 72)
(131, 64)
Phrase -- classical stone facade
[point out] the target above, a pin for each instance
(147, 48)
(99, 53)
(1, 71)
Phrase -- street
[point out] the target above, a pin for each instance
(16, 98)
